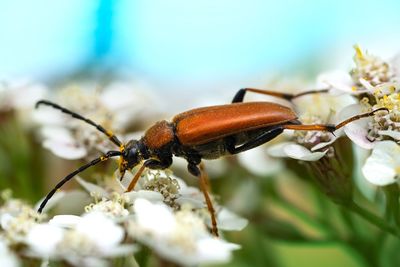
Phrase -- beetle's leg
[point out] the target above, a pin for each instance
(264, 137)
(201, 174)
(331, 127)
(108, 155)
(75, 115)
(151, 164)
(135, 178)
(239, 97)
(158, 164)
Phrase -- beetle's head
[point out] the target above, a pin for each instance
(131, 156)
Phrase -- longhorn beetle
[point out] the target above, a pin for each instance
(202, 133)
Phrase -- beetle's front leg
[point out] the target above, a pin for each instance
(203, 178)
(158, 164)
(151, 164)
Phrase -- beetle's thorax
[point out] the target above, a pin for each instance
(159, 136)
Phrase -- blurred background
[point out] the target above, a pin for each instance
(190, 46)
(193, 52)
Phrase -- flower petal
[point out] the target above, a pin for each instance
(229, 221)
(278, 150)
(92, 188)
(338, 80)
(65, 221)
(301, 153)
(259, 162)
(102, 230)
(43, 239)
(381, 167)
(212, 250)
(65, 150)
(150, 215)
(357, 130)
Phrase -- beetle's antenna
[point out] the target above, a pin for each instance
(75, 115)
(109, 154)
(331, 127)
(360, 116)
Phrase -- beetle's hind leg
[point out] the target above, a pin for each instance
(239, 97)
(203, 179)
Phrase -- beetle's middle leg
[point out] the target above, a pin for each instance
(239, 97)
(203, 178)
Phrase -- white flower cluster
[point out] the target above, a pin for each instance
(372, 84)
(163, 214)
(173, 222)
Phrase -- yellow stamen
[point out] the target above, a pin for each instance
(359, 53)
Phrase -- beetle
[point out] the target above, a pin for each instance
(202, 133)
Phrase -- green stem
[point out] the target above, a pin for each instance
(373, 219)
(392, 203)
(304, 216)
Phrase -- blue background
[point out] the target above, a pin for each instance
(191, 45)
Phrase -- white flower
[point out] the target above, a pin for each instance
(383, 165)
(17, 219)
(382, 125)
(114, 207)
(229, 221)
(21, 95)
(180, 237)
(43, 239)
(7, 257)
(81, 241)
(357, 131)
(337, 80)
(157, 187)
(258, 162)
(154, 185)
(295, 151)
(370, 69)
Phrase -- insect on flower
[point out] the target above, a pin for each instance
(202, 133)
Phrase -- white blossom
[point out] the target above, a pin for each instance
(295, 151)
(178, 236)
(383, 166)
(81, 241)
(16, 220)
(7, 257)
